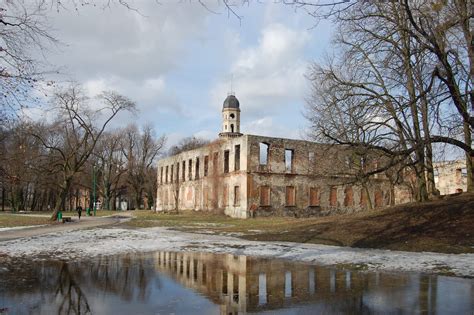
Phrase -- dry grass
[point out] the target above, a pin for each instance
(445, 225)
(12, 220)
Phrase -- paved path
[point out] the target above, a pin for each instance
(76, 224)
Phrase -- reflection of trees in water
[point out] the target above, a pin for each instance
(69, 293)
(126, 276)
(69, 287)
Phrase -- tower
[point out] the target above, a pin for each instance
(230, 117)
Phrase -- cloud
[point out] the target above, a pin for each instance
(118, 42)
(266, 126)
(270, 73)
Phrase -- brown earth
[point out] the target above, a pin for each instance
(445, 225)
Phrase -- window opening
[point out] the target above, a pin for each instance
(290, 196)
(190, 169)
(226, 161)
(197, 168)
(333, 197)
(183, 176)
(236, 195)
(264, 196)
(264, 152)
(313, 197)
(348, 197)
(289, 160)
(237, 158)
(206, 165)
(177, 172)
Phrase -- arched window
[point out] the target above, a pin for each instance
(231, 127)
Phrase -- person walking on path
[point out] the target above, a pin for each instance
(79, 211)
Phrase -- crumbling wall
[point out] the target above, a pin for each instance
(205, 192)
(451, 176)
(310, 170)
(317, 181)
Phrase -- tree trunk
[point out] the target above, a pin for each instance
(107, 196)
(34, 200)
(61, 201)
(469, 160)
(3, 198)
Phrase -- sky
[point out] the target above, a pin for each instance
(177, 60)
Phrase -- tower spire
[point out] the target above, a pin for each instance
(231, 92)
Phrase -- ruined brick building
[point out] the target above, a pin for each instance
(450, 176)
(248, 175)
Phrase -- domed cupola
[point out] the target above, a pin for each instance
(230, 117)
(231, 102)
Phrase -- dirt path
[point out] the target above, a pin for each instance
(76, 224)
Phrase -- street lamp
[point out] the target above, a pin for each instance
(93, 189)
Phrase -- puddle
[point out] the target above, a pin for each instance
(205, 283)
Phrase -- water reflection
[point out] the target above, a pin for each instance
(160, 283)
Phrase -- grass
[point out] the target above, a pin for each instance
(444, 225)
(12, 220)
(8, 219)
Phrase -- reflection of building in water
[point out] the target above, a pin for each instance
(241, 284)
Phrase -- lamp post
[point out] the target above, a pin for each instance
(93, 189)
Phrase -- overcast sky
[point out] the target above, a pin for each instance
(176, 60)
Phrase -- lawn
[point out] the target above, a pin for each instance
(445, 225)
(12, 220)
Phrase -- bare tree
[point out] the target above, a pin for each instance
(24, 31)
(73, 136)
(187, 144)
(111, 165)
(382, 93)
(140, 149)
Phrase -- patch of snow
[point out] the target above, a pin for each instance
(232, 233)
(79, 244)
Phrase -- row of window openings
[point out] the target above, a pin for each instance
(289, 156)
(185, 267)
(190, 268)
(312, 283)
(460, 172)
(169, 171)
(167, 200)
(314, 197)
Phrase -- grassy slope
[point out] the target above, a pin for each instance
(445, 225)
